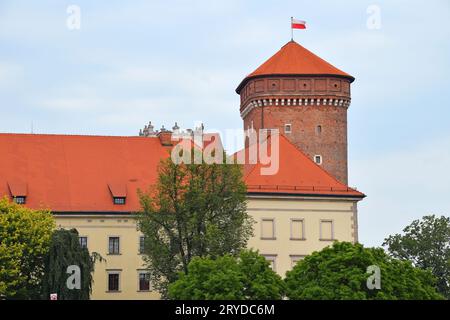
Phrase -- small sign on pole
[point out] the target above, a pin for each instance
(53, 296)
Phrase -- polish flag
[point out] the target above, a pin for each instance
(298, 24)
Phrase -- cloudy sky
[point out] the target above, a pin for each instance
(166, 61)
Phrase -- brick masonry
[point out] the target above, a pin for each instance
(315, 107)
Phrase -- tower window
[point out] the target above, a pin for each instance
(287, 128)
(318, 159)
(319, 130)
(20, 200)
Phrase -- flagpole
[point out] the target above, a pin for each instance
(292, 30)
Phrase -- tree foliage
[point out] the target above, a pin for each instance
(65, 250)
(248, 277)
(426, 243)
(196, 210)
(24, 241)
(340, 272)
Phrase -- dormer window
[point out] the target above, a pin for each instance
(19, 191)
(119, 200)
(118, 192)
(19, 199)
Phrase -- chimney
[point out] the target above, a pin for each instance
(165, 136)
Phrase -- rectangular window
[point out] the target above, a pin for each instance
(83, 242)
(326, 230)
(141, 244)
(114, 245)
(287, 128)
(113, 281)
(297, 229)
(272, 261)
(318, 159)
(144, 281)
(20, 200)
(119, 200)
(268, 229)
(295, 259)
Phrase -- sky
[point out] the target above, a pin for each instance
(165, 61)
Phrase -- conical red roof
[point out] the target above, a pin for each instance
(293, 59)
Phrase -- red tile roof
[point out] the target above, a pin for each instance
(294, 59)
(67, 173)
(79, 173)
(297, 174)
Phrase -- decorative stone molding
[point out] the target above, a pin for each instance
(296, 102)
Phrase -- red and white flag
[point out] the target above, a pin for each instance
(298, 24)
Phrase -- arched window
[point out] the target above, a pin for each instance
(319, 130)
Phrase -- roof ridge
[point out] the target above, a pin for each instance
(70, 135)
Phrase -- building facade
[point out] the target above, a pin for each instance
(91, 183)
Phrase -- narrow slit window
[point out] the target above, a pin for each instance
(287, 128)
(318, 159)
(83, 242)
(319, 130)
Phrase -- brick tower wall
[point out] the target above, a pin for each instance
(305, 104)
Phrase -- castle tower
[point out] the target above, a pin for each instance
(306, 98)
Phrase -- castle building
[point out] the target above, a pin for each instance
(91, 182)
(304, 97)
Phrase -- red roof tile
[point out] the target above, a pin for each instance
(294, 59)
(75, 173)
(83, 173)
(297, 174)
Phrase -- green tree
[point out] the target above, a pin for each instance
(65, 251)
(196, 210)
(24, 241)
(248, 277)
(426, 243)
(339, 272)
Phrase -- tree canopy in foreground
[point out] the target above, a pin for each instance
(25, 236)
(426, 243)
(339, 272)
(196, 210)
(247, 277)
(65, 251)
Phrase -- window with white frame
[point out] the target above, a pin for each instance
(318, 159)
(288, 128)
